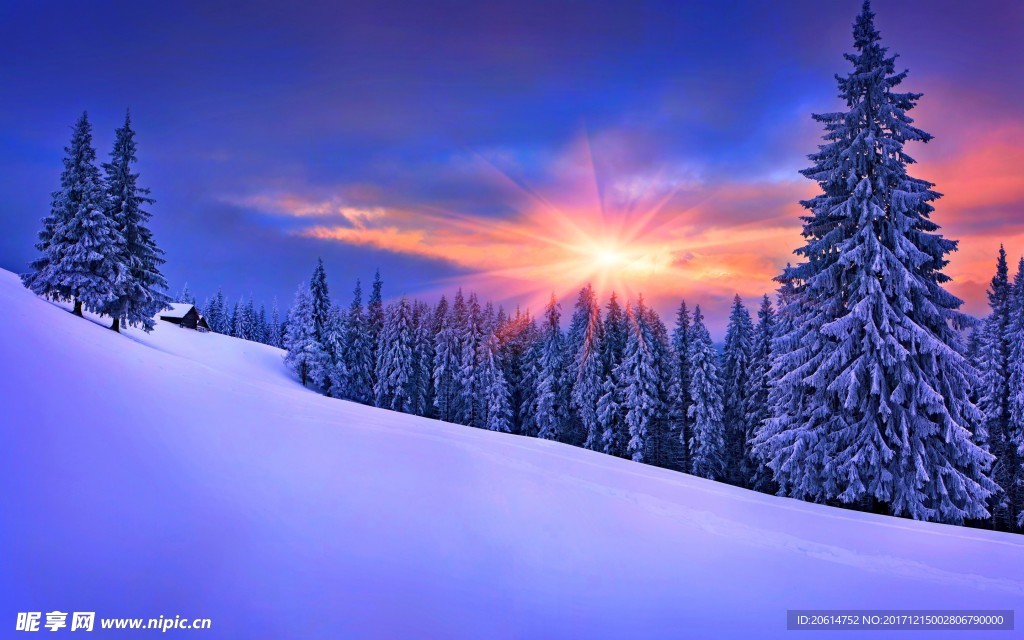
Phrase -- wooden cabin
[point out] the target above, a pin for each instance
(185, 315)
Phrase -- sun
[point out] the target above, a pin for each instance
(607, 257)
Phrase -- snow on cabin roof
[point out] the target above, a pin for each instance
(177, 310)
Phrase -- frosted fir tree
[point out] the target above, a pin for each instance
(448, 359)
(551, 396)
(185, 296)
(993, 364)
(1008, 470)
(663, 432)
(304, 354)
(528, 425)
(759, 387)
(423, 358)
(320, 297)
(586, 366)
(707, 442)
(610, 416)
(467, 383)
(335, 341)
(216, 313)
(240, 320)
(736, 365)
(82, 249)
(139, 294)
(358, 354)
(497, 413)
(681, 401)
(375, 320)
(873, 396)
(515, 338)
(996, 367)
(638, 379)
(394, 389)
(274, 326)
(233, 319)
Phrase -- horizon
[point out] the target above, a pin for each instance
(529, 151)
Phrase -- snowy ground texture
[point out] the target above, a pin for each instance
(180, 473)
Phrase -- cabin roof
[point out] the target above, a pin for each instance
(177, 310)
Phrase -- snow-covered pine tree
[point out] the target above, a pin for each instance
(261, 324)
(551, 396)
(610, 415)
(993, 363)
(995, 368)
(1009, 469)
(274, 327)
(184, 296)
(467, 381)
(639, 380)
(233, 319)
(663, 433)
(760, 383)
(358, 353)
(680, 406)
(736, 365)
(515, 338)
(304, 354)
(497, 414)
(140, 293)
(707, 442)
(872, 399)
(216, 313)
(375, 322)
(585, 374)
(448, 359)
(528, 389)
(423, 358)
(239, 324)
(335, 341)
(319, 294)
(82, 249)
(394, 388)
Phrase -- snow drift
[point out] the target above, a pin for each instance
(180, 473)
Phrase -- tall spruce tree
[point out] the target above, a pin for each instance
(448, 359)
(140, 293)
(274, 327)
(610, 415)
(639, 377)
(872, 401)
(81, 249)
(707, 441)
(586, 367)
(682, 401)
(395, 359)
(736, 372)
(467, 383)
(760, 384)
(358, 354)
(1008, 470)
(304, 354)
(551, 396)
(375, 321)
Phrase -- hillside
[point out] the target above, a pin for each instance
(180, 473)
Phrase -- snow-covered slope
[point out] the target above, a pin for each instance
(187, 474)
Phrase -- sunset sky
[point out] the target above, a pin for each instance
(513, 148)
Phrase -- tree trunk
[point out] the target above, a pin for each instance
(78, 308)
(115, 326)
